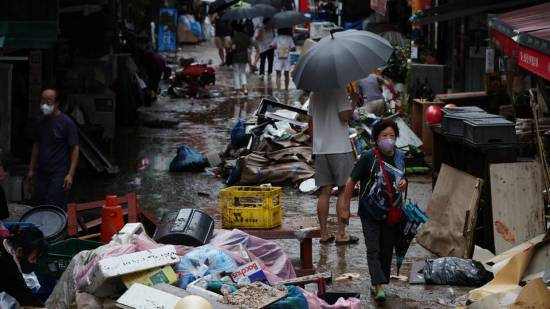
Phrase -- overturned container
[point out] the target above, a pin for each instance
(190, 227)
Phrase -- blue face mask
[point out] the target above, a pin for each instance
(386, 144)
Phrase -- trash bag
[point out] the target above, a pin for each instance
(456, 271)
(188, 160)
(238, 135)
(202, 261)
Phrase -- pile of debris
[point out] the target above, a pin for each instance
(233, 270)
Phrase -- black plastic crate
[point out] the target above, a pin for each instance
(490, 131)
(462, 109)
(453, 124)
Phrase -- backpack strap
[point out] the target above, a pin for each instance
(388, 185)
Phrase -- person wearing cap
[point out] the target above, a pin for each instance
(371, 90)
(54, 154)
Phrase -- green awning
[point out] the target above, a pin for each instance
(28, 35)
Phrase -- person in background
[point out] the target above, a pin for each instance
(283, 44)
(222, 36)
(240, 44)
(380, 234)
(370, 88)
(264, 36)
(54, 154)
(329, 113)
(19, 254)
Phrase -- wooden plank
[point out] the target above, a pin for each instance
(517, 202)
(452, 210)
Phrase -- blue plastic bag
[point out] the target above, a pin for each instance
(188, 160)
(238, 135)
(202, 261)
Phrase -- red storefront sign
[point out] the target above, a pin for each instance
(505, 44)
(528, 58)
(534, 61)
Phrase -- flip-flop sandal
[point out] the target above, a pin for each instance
(372, 291)
(328, 240)
(351, 240)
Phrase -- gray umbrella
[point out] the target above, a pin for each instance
(274, 3)
(341, 58)
(287, 19)
(260, 10)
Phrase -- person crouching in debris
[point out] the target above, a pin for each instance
(380, 171)
(19, 254)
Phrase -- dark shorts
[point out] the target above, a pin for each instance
(333, 169)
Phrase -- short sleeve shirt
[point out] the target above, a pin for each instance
(330, 135)
(370, 87)
(282, 41)
(55, 137)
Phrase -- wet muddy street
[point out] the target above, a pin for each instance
(204, 124)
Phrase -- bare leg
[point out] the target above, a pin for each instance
(278, 80)
(323, 209)
(222, 55)
(341, 233)
(287, 79)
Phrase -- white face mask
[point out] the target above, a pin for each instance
(46, 109)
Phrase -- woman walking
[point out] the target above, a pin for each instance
(240, 44)
(283, 44)
(264, 36)
(380, 171)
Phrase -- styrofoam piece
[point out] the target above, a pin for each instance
(140, 296)
(124, 236)
(308, 186)
(131, 263)
(213, 298)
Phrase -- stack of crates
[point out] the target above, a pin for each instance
(251, 207)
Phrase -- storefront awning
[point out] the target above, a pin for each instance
(465, 8)
(525, 34)
(28, 35)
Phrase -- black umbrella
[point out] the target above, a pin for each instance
(287, 19)
(220, 5)
(260, 10)
(275, 3)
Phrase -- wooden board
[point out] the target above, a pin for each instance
(517, 202)
(452, 211)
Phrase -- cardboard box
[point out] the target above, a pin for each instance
(139, 296)
(151, 277)
(251, 270)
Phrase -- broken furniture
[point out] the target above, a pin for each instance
(76, 224)
(420, 126)
(301, 229)
(474, 160)
(517, 203)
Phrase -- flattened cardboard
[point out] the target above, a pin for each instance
(452, 210)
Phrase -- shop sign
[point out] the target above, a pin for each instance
(534, 61)
(167, 30)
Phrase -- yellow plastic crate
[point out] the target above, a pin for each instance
(251, 207)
